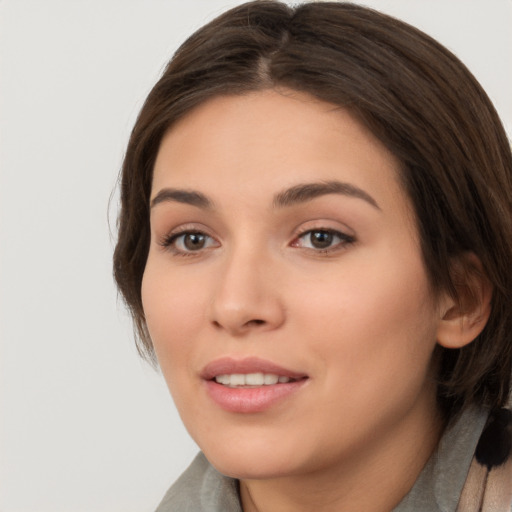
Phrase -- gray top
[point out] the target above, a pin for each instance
(201, 488)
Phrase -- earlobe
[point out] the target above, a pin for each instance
(464, 317)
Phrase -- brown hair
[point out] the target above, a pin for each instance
(412, 93)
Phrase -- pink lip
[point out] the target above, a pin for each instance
(253, 399)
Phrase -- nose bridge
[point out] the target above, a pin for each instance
(246, 297)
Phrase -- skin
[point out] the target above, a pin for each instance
(360, 319)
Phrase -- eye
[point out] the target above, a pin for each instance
(323, 240)
(187, 242)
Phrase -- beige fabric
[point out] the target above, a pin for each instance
(487, 491)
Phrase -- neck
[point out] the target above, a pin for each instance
(375, 479)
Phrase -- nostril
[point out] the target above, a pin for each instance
(255, 322)
(242, 327)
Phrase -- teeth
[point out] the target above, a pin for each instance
(253, 379)
(270, 379)
(223, 379)
(237, 380)
(250, 379)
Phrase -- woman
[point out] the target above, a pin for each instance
(315, 242)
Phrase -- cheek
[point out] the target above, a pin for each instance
(173, 314)
(373, 327)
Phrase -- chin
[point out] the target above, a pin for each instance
(259, 461)
(250, 469)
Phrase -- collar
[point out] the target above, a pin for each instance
(201, 488)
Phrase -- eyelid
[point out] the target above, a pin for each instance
(166, 241)
(345, 235)
(336, 232)
(188, 227)
(321, 224)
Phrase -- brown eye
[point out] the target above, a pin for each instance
(321, 239)
(188, 242)
(194, 241)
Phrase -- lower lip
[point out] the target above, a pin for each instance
(251, 400)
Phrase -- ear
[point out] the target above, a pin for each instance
(463, 318)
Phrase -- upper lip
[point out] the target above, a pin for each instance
(229, 366)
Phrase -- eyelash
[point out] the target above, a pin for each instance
(344, 240)
(169, 241)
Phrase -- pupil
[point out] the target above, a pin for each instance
(194, 241)
(321, 239)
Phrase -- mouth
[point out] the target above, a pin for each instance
(250, 385)
(251, 380)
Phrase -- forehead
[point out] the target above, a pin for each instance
(266, 141)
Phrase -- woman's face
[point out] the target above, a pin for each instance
(284, 290)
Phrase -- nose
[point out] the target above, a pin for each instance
(247, 297)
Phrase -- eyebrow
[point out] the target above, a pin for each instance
(182, 196)
(294, 195)
(308, 191)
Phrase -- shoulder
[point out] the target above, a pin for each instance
(201, 488)
(488, 487)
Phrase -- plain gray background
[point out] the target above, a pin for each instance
(84, 424)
